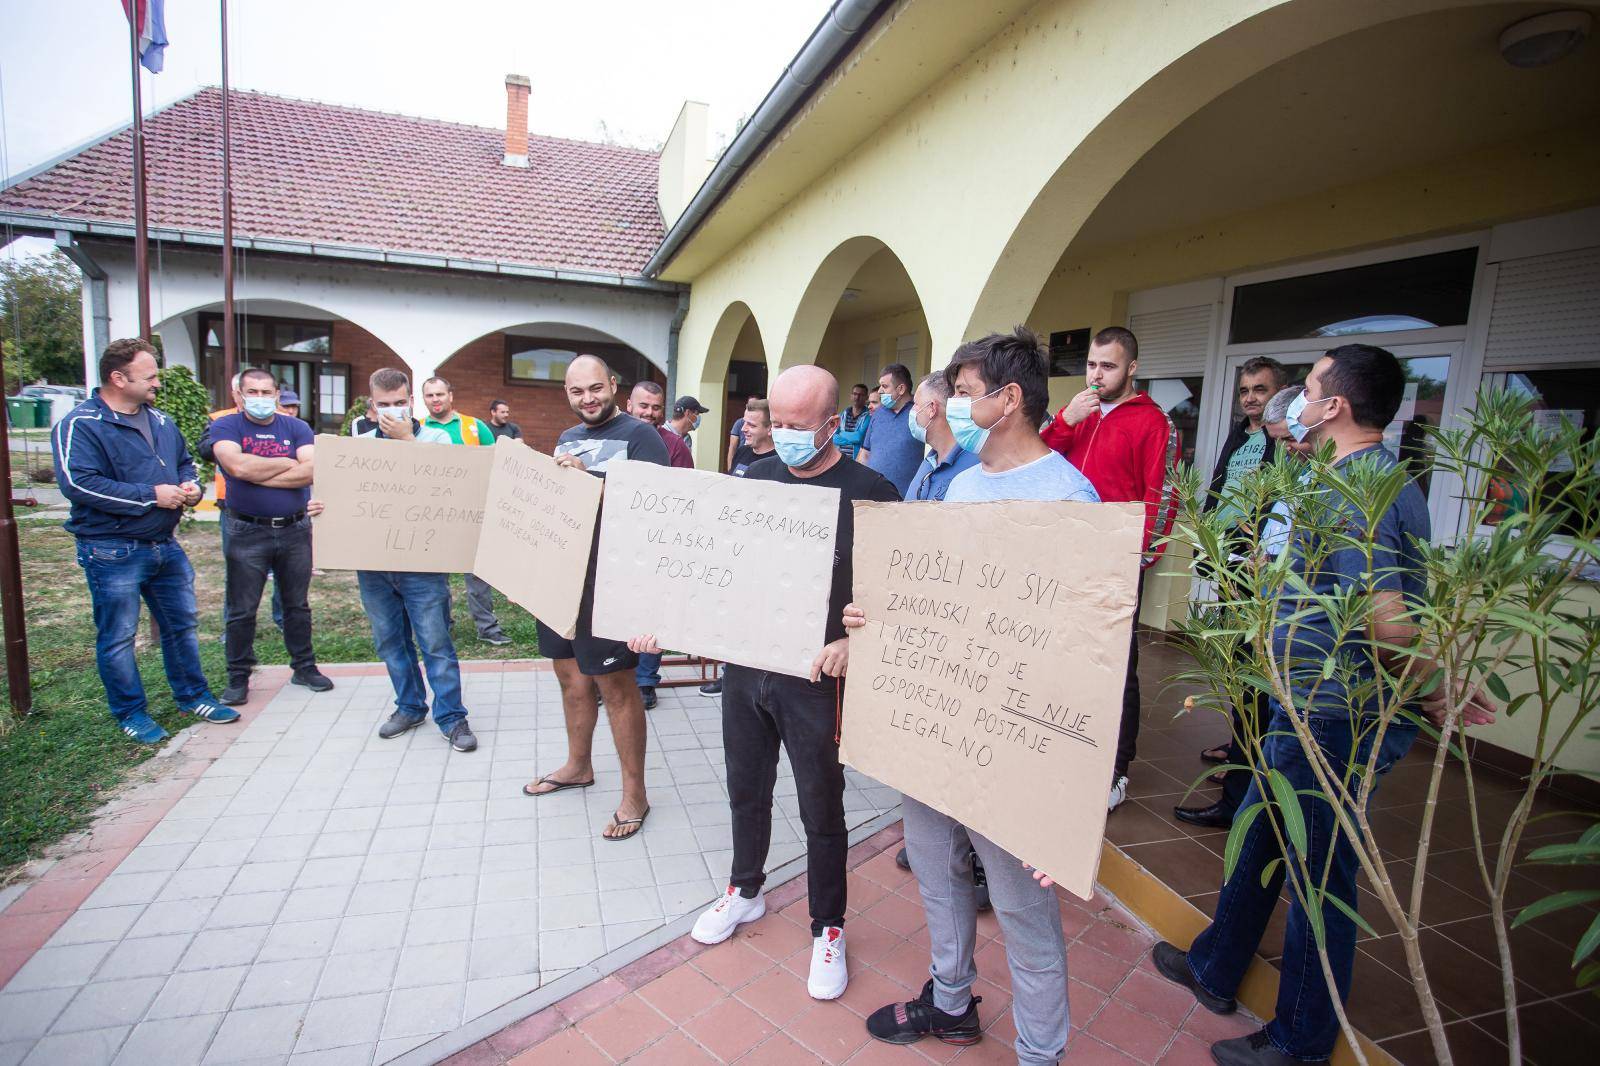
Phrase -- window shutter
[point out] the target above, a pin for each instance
(1546, 311)
(1175, 342)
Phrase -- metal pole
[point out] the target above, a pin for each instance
(21, 686)
(141, 238)
(229, 356)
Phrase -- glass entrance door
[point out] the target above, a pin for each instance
(297, 376)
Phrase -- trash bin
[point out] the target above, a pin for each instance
(41, 412)
(23, 412)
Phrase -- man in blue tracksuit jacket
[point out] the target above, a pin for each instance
(126, 470)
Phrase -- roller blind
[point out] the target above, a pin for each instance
(1546, 311)
(1175, 342)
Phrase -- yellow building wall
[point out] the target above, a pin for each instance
(843, 349)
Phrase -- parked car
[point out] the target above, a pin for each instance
(72, 391)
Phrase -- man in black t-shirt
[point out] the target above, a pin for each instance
(758, 438)
(762, 709)
(604, 434)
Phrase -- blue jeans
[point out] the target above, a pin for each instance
(400, 606)
(648, 673)
(120, 572)
(1305, 1026)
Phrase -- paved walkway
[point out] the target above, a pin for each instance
(319, 895)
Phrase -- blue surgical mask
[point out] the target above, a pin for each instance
(1291, 418)
(886, 398)
(969, 435)
(260, 406)
(919, 432)
(797, 447)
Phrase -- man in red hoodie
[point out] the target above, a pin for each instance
(1126, 446)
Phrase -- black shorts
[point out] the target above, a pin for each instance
(595, 655)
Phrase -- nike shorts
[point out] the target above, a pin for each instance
(595, 656)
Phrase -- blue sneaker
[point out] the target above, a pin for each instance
(143, 728)
(212, 711)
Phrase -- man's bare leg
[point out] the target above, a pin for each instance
(625, 708)
(581, 711)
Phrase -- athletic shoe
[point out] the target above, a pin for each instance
(717, 922)
(829, 975)
(212, 711)
(902, 859)
(906, 1023)
(1254, 1050)
(1119, 792)
(498, 640)
(236, 693)
(461, 737)
(143, 728)
(399, 722)
(313, 679)
(648, 694)
(712, 688)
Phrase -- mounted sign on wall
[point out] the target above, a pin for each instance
(1069, 352)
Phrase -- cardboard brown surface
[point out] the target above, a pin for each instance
(398, 505)
(538, 529)
(715, 565)
(988, 680)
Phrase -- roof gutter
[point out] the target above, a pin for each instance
(50, 225)
(838, 32)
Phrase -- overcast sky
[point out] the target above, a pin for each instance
(602, 68)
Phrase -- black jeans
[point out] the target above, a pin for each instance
(759, 710)
(252, 550)
(1128, 731)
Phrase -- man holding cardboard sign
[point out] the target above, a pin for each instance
(762, 709)
(974, 691)
(587, 666)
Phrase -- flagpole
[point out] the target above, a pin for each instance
(141, 236)
(228, 338)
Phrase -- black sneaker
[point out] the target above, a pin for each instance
(400, 722)
(712, 688)
(1173, 964)
(236, 693)
(648, 694)
(906, 1023)
(461, 737)
(313, 679)
(495, 640)
(902, 859)
(1254, 1050)
(980, 883)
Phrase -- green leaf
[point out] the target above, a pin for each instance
(1294, 822)
(1559, 901)
(1236, 835)
(1498, 687)
(1566, 854)
(1587, 975)
(1266, 871)
(1350, 912)
(1589, 941)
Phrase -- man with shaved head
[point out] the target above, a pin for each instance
(762, 710)
(603, 435)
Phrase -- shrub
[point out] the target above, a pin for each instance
(189, 405)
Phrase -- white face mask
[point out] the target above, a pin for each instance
(398, 412)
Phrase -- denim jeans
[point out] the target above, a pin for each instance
(648, 673)
(251, 552)
(1305, 1026)
(120, 572)
(760, 710)
(400, 606)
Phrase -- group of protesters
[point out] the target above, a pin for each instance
(978, 430)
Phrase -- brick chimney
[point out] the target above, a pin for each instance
(517, 90)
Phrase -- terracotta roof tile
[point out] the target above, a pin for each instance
(340, 175)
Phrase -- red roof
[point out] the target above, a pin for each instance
(341, 175)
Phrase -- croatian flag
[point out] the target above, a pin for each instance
(150, 18)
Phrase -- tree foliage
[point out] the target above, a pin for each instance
(187, 401)
(41, 320)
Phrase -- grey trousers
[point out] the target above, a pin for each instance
(480, 601)
(1030, 918)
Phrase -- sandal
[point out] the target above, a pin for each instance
(618, 822)
(560, 786)
(1218, 778)
(1217, 754)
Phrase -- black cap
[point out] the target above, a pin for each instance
(689, 403)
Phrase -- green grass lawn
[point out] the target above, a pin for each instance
(57, 763)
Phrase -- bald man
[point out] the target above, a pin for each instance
(587, 666)
(762, 710)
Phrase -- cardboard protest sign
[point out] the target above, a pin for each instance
(988, 680)
(719, 566)
(538, 529)
(398, 505)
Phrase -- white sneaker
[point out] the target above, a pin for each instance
(718, 921)
(829, 976)
(1119, 792)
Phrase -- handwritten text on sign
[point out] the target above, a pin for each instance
(729, 568)
(538, 530)
(398, 505)
(988, 681)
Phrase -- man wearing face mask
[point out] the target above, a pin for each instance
(1001, 393)
(945, 457)
(889, 448)
(266, 458)
(762, 710)
(1127, 447)
(686, 419)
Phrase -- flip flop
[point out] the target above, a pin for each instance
(1218, 778)
(620, 823)
(1209, 754)
(560, 786)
